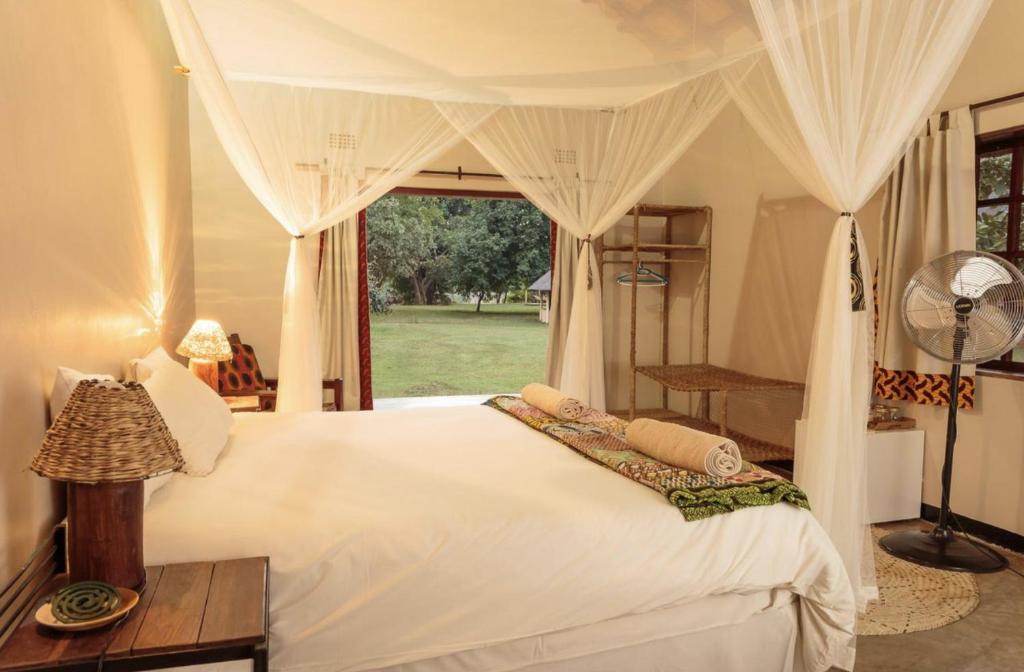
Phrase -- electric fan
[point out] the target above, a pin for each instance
(963, 307)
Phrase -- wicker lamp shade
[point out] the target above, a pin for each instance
(107, 434)
(205, 341)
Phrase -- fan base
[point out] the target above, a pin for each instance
(943, 550)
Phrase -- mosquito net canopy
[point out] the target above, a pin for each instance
(585, 53)
(323, 106)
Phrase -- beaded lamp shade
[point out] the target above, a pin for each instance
(205, 341)
(107, 433)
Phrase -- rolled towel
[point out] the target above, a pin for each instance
(552, 401)
(686, 448)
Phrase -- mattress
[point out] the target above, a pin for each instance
(405, 536)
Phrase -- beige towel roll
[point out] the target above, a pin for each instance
(552, 401)
(686, 448)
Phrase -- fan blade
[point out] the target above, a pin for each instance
(928, 313)
(993, 330)
(977, 276)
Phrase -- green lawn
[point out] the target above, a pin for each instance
(421, 351)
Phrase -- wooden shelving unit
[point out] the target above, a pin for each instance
(668, 254)
(710, 379)
(701, 377)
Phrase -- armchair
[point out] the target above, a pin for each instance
(241, 376)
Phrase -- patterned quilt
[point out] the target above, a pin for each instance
(601, 438)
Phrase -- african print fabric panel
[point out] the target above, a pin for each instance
(601, 438)
(931, 389)
(856, 276)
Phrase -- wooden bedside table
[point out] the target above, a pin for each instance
(189, 614)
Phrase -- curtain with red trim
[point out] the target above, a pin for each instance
(343, 300)
(928, 211)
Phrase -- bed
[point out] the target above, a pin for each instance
(461, 539)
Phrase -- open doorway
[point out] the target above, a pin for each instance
(452, 310)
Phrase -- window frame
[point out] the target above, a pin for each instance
(993, 143)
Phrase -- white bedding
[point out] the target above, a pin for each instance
(409, 535)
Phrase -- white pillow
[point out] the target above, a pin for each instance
(65, 383)
(139, 370)
(196, 415)
(151, 485)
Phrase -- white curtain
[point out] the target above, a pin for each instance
(338, 299)
(928, 212)
(313, 157)
(842, 87)
(563, 273)
(585, 168)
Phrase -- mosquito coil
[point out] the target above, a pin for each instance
(84, 601)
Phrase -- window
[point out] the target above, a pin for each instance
(1000, 207)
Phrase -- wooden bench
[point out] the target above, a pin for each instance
(189, 614)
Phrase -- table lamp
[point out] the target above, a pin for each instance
(205, 344)
(107, 440)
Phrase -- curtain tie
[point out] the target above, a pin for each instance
(846, 213)
(299, 236)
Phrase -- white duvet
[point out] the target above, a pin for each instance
(397, 536)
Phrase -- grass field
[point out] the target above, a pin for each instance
(421, 351)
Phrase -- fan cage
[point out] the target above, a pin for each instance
(965, 307)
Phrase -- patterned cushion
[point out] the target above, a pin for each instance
(241, 374)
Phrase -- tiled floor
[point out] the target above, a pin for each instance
(991, 639)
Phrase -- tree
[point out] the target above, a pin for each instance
(498, 245)
(425, 247)
(405, 245)
(993, 182)
(478, 259)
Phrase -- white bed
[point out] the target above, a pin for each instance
(460, 539)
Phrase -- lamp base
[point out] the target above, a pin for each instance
(205, 370)
(942, 549)
(105, 533)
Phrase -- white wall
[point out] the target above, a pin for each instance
(95, 219)
(240, 251)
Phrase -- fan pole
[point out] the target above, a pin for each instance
(959, 335)
(942, 530)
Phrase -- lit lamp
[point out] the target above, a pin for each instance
(205, 344)
(105, 442)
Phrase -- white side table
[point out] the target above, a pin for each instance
(895, 463)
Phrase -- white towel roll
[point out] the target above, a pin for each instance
(552, 401)
(684, 447)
